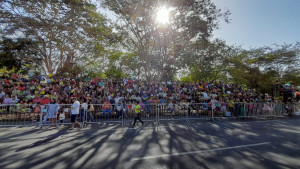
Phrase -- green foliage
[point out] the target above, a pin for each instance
(186, 79)
(159, 49)
(68, 32)
(207, 60)
(263, 67)
(70, 36)
(114, 73)
(16, 54)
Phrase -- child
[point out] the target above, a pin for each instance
(62, 117)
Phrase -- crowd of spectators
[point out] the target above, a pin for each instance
(29, 89)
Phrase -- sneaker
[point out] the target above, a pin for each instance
(143, 124)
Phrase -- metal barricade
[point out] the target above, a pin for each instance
(36, 115)
(172, 112)
(261, 110)
(18, 115)
(100, 113)
(33, 115)
(201, 110)
(185, 111)
(221, 110)
(297, 109)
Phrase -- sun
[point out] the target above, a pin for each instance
(162, 16)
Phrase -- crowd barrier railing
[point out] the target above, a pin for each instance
(124, 114)
(19, 114)
(184, 111)
(38, 115)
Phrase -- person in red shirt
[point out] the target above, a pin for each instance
(73, 82)
(14, 76)
(6, 81)
(93, 82)
(106, 108)
(38, 99)
(45, 100)
(21, 87)
(164, 88)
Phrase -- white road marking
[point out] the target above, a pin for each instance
(196, 152)
(262, 121)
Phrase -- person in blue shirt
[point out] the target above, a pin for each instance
(145, 96)
(162, 100)
(204, 105)
(147, 107)
(101, 83)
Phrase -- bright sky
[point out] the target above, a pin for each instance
(257, 23)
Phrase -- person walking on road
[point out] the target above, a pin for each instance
(137, 111)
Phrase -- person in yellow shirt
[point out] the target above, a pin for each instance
(137, 111)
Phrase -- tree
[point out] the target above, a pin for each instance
(159, 49)
(16, 54)
(263, 67)
(70, 33)
(206, 61)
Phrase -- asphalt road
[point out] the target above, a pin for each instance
(205, 144)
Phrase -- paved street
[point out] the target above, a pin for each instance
(205, 144)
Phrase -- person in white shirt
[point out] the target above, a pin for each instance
(83, 110)
(129, 90)
(118, 98)
(119, 109)
(205, 96)
(14, 100)
(125, 81)
(74, 112)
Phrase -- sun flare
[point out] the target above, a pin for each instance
(162, 16)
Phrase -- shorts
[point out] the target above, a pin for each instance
(73, 118)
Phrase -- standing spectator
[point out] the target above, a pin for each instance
(297, 94)
(148, 108)
(90, 111)
(74, 112)
(223, 104)
(171, 108)
(52, 112)
(119, 109)
(6, 101)
(137, 111)
(83, 110)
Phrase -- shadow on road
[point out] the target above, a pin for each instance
(115, 147)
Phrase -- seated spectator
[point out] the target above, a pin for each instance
(106, 108)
